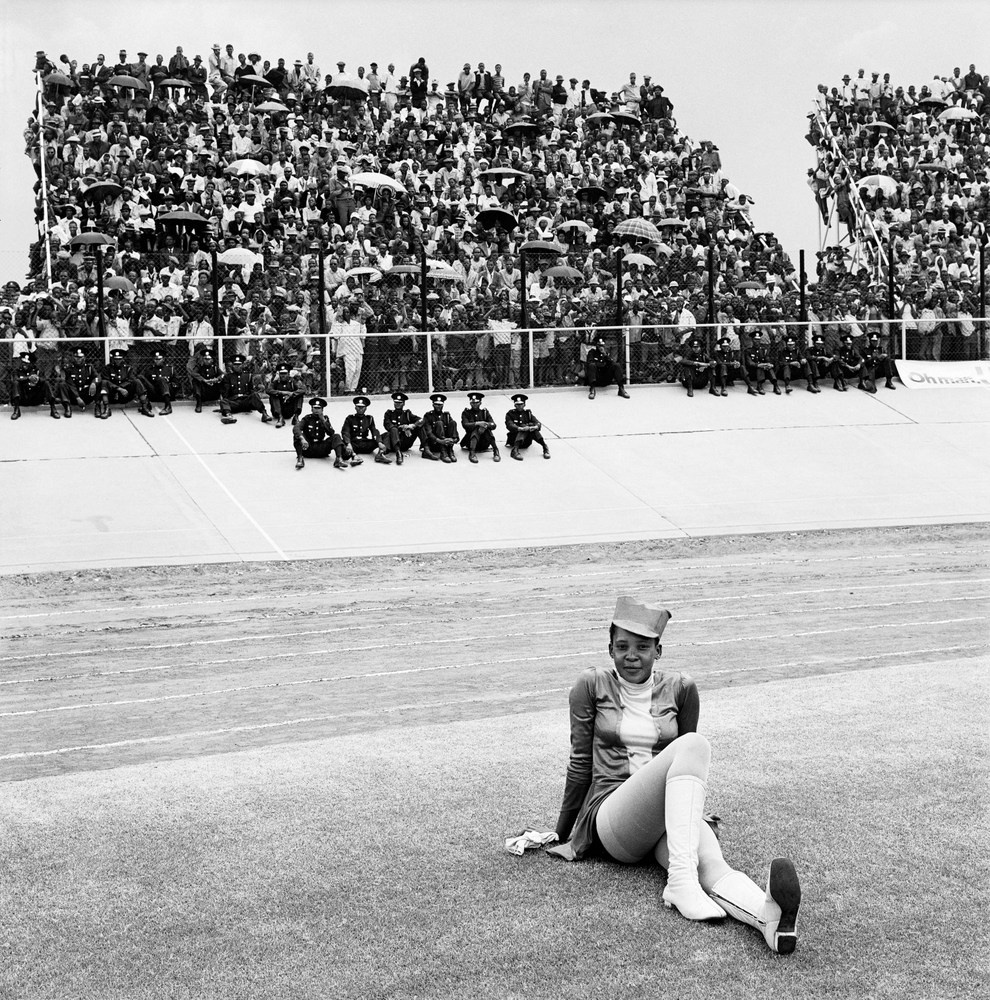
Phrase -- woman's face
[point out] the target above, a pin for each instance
(633, 655)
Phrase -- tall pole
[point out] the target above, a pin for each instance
(618, 290)
(321, 314)
(802, 289)
(99, 290)
(711, 296)
(982, 342)
(44, 186)
(891, 305)
(523, 305)
(422, 286)
(216, 284)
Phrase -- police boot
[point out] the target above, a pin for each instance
(15, 413)
(684, 804)
(382, 459)
(226, 418)
(55, 414)
(787, 388)
(450, 453)
(301, 462)
(199, 406)
(430, 456)
(279, 423)
(690, 390)
(399, 457)
(472, 458)
(546, 452)
(514, 453)
(622, 392)
(776, 389)
(712, 391)
(773, 913)
(145, 409)
(496, 454)
(265, 417)
(591, 393)
(67, 409)
(166, 409)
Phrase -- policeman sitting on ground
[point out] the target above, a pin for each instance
(238, 394)
(118, 384)
(314, 437)
(694, 364)
(161, 383)
(439, 432)
(523, 428)
(360, 435)
(79, 383)
(478, 427)
(402, 427)
(600, 370)
(28, 388)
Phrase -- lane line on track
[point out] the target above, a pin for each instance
(389, 710)
(199, 458)
(216, 692)
(624, 575)
(331, 630)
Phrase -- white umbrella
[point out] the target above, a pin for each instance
(886, 184)
(248, 168)
(957, 114)
(240, 257)
(369, 178)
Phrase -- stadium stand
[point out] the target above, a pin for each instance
(329, 220)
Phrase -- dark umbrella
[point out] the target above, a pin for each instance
(58, 80)
(562, 271)
(591, 193)
(248, 80)
(626, 118)
(180, 219)
(404, 269)
(348, 88)
(522, 127)
(127, 81)
(599, 119)
(497, 217)
(90, 239)
(100, 190)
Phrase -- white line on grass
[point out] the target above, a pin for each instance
(216, 692)
(323, 593)
(391, 709)
(275, 636)
(199, 458)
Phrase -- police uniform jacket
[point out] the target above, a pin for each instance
(118, 375)
(285, 385)
(521, 421)
(757, 354)
(237, 384)
(396, 418)
(439, 426)
(206, 371)
(359, 427)
(471, 416)
(315, 428)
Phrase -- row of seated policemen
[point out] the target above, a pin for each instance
(75, 383)
(759, 364)
(436, 432)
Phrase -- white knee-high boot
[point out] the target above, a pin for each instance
(684, 804)
(774, 912)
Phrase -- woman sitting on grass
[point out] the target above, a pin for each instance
(636, 784)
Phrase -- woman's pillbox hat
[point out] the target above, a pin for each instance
(641, 619)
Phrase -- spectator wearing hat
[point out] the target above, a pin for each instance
(360, 435)
(439, 432)
(285, 395)
(313, 436)
(402, 428)
(119, 384)
(478, 429)
(523, 428)
(161, 382)
(238, 393)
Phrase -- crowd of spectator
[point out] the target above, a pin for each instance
(906, 174)
(576, 169)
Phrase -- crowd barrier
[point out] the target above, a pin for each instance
(552, 357)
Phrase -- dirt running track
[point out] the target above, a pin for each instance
(103, 668)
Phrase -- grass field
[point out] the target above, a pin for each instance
(294, 780)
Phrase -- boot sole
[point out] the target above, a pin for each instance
(785, 890)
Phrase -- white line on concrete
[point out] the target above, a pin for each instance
(384, 589)
(387, 710)
(199, 458)
(216, 692)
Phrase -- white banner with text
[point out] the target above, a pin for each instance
(944, 374)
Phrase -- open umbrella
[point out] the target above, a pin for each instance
(371, 273)
(181, 218)
(574, 224)
(90, 239)
(639, 259)
(542, 247)
(444, 274)
(591, 193)
(249, 80)
(672, 224)
(348, 88)
(501, 173)
(751, 286)
(404, 269)
(271, 107)
(240, 257)
(522, 128)
(626, 118)
(886, 184)
(662, 248)
(175, 83)
(248, 168)
(932, 102)
(58, 80)
(883, 126)
(119, 283)
(491, 218)
(957, 114)
(123, 80)
(598, 120)
(372, 179)
(101, 190)
(637, 229)
(562, 271)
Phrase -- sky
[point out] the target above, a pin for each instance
(743, 74)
